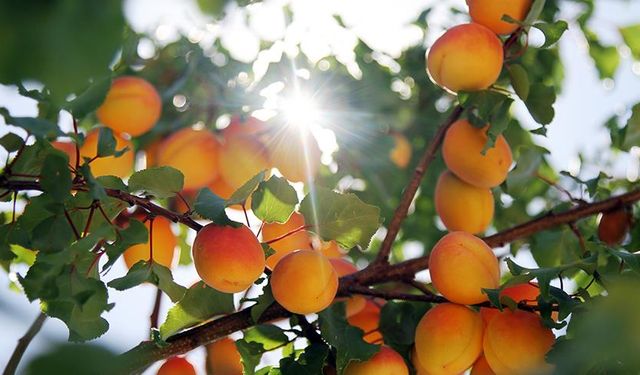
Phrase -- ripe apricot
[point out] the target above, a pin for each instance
(151, 153)
(132, 106)
(176, 366)
(356, 303)
(164, 243)
(461, 265)
(415, 361)
(400, 154)
(296, 241)
(68, 148)
(613, 226)
(462, 206)
(304, 282)
(192, 152)
(448, 339)
(228, 259)
(368, 320)
(239, 159)
(223, 358)
(295, 154)
(330, 249)
(516, 343)
(489, 13)
(467, 57)
(462, 152)
(247, 126)
(385, 362)
(121, 166)
(481, 367)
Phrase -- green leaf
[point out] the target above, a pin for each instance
(552, 31)
(264, 301)
(38, 127)
(135, 233)
(90, 99)
(606, 58)
(632, 129)
(161, 182)
(55, 176)
(78, 359)
(274, 200)
(540, 103)
(631, 36)
(487, 108)
(5, 245)
(341, 217)
(250, 353)
(311, 361)
(267, 335)
(268, 250)
(153, 273)
(345, 338)
(398, 321)
(212, 207)
(96, 190)
(519, 80)
(106, 142)
(534, 12)
(11, 142)
(198, 304)
(240, 196)
(52, 234)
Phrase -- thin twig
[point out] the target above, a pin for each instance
(155, 313)
(23, 343)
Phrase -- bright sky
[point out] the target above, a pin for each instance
(385, 26)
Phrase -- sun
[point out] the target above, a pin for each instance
(300, 111)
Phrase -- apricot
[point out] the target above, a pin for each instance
(132, 106)
(246, 127)
(304, 282)
(228, 259)
(489, 13)
(461, 206)
(467, 57)
(176, 366)
(356, 303)
(368, 320)
(481, 367)
(400, 154)
(448, 339)
(239, 159)
(385, 362)
(462, 152)
(121, 166)
(330, 249)
(613, 226)
(151, 153)
(519, 292)
(164, 243)
(300, 240)
(68, 148)
(223, 358)
(516, 343)
(461, 265)
(194, 153)
(295, 154)
(415, 361)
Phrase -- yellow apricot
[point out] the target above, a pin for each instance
(223, 358)
(239, 159)
(368, 320)
(228, 259)
(164, 243)
(296, 155)
(121, 166)
(448, 339)
(330, 249)
(356, 303)
(462, 206)
(68, 148)
(461, 265)
(300, 240)
(400, 154)
(304, 282)
(481, 367)
(462, 152)
(415, 361)
(489, 13)
(465, 58)
(176, 366)
(385, 362)
(192, 152)
(132, 106)
(516, 343)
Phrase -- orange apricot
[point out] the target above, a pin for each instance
(368, 320)
(246, 127)
(461, 265)
(176, 366)
(400, 154)
(415, 361)
(228, 259)
(223, 358)
(516, 343)
(385, 362)
(164, 243)
(614, 225)
(239, 159)
(356, 303)
(489, 13)
(121, 166)
(462, 152)
(330, 249)
(132, 106)
(467, 57)
(448, 339)
(461, 206)
(295, 154)
(481, 367)
(304, 282)
(68, 148)
(192, 152)
(300, 240)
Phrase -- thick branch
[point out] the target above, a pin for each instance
(23, 343)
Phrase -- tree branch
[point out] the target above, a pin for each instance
(23, 343)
